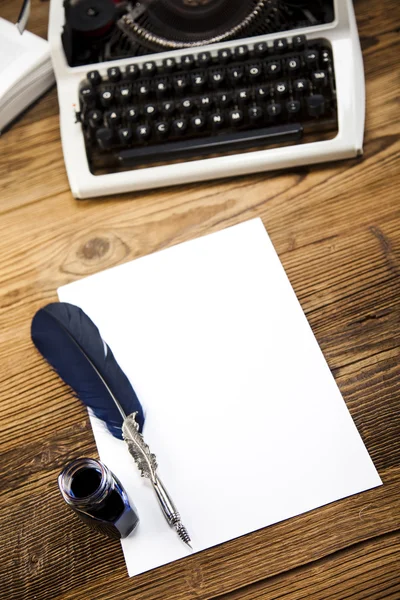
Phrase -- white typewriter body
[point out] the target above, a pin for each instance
(350, 86)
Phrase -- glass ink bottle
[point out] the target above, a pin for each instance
(97, 497)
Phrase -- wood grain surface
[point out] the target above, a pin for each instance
(336, 228)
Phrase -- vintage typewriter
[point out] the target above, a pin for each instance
(164, 92)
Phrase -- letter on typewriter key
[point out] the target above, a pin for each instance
(132, 72)
(261, 49)
(94, 77)
(131, 114)
(204, 59)
(124, 94)
(300, 86)
(293, 65)
(179, 126)
(236, 117)
(299, 42)
(273, 68)
(293, 107)
(311, 58)
(95, 118)
(114, 74)
(125, 135)
(224, 55)
(280, 45)
(198, 122)
(87, 95)
(162, 129)
(149, 68)
(169, 65)
(187, 62)
(319, 79)
(217, 120)
(106, 98)
(143, 132)
(274, 110)
(112, 118)
(255, 114)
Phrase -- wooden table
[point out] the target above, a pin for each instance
(336, 228)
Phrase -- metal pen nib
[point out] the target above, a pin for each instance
(147, 465)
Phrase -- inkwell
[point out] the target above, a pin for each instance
(97, 497)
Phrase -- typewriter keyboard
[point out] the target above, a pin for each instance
(244, 98)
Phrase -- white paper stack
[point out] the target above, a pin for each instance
(25, 70)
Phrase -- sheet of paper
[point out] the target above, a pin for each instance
(245, 418)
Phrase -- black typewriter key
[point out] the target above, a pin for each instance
(105, 138)
(187, 62)
(125, 135)
(300, 86)
(254, 71)
(274, 109)
(124, 94)
(95, 118)
(204, 59)
(224, 55)
(255, 114)
(261, 49)
(311, 58)
(149, 68)
(169, 65)
(243, 97)
(179, 126)
(315, 105)
(161, 87)
(132, 72)
(223, 99)
(114, 74)
(87, 95)
(235, 117)
(143, 89)
(273, 68)
(293, 65)
(281, 89)
(293, 107)
(150, 111)
(299, 42)
(106, 98)
(187, 105)
(325, 57)
(162, 129)
(143, 132)
(205, 102)
(131, 114)
(236, 74)
(198, 122)
(198, 80)
(94, 77)
(112, 118)
(262, 92)
(180, 83)
(319, 78)
(241, 52)
(280, 45)
(167, 108)
(217, 120)
(217, 77)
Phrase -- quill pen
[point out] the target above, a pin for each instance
(71, 343)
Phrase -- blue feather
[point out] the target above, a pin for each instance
(71, 343)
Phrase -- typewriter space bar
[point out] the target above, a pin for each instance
(211, 145)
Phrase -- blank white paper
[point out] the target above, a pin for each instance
(242, 411)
